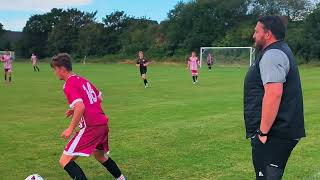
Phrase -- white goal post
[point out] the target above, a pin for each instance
(251, 52)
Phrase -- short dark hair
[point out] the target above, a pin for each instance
(275, 24)
(62, 60)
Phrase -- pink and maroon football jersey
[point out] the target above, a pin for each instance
(210, 59)
(34, 59)
(7, 61)
(193, 63)
(78, 89)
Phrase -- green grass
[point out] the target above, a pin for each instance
(173, 130)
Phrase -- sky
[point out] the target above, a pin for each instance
(15, 13)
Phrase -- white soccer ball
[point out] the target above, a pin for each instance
(34, 177)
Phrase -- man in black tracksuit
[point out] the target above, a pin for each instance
(273, 102)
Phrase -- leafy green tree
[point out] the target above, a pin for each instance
(311, 36)
(115, 24)
(295, 10)
(89, 41)
(140, 35)
(64, 35)
(1, 29)
(54, 31)
(202, 22)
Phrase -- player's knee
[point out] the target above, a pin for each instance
(274, 173)
(62, 163)
(64, 160)
(101, 157)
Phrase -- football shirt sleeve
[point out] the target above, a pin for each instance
(274, 67)
(73, 95)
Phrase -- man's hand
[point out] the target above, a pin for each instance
(69, 113)
(263, 139)
(67, 133)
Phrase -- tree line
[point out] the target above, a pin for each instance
(188, 26)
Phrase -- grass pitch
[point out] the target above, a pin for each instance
(172, 130)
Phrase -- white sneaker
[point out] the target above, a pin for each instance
(146, 86)
(121, 177)
(194, 83)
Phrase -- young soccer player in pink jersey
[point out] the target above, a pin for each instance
(7, 66)
(85, 110)
(193, 63)
(34, 60)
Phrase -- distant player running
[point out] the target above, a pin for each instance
(7, 65)
(210, 60)
(142, 63)
(34, 60)
(193, 63)
(85, 110)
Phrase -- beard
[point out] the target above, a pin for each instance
(259, 45)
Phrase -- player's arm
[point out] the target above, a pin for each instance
(146, 63)
(97, 92)
(100, 96)
(137, 63)
(77, 114)
(270, 105)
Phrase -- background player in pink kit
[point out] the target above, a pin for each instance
(193, 63)
(210, 59)
(34, 60)
(85, 110)
(7, 65)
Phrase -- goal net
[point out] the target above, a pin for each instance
(12, 54)
(227, 55)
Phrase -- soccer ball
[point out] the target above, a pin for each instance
(34, 177)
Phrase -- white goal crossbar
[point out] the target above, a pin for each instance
(251, 51)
